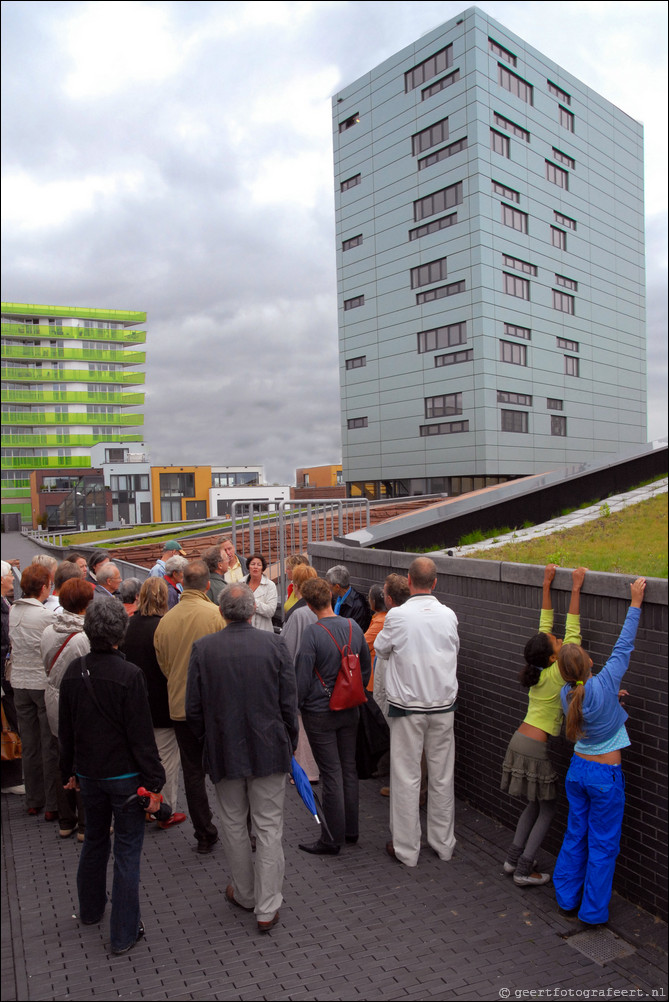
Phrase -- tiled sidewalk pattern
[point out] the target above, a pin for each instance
(358, 926)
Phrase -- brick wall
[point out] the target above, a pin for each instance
(497, 605)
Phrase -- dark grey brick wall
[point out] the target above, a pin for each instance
(497, 605)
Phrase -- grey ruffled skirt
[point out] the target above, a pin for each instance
(527, 771)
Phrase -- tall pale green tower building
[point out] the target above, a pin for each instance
(490, 266)
(71, 379)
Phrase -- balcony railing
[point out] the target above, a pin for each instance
(78, 333)
(45, 462)
(87, 313)
(71, 397)
(70, 375)
(74, 354)
(63, 441)
(52, 418)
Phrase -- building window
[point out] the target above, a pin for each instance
(351, 242)
(429, 68)
(348, 123)
(559, 425)
(442, 337)
(514, 218)
(500, 144)
(553, 404)
(356, 363)
(440, 85)
(558, 238)
(571, 366)
(518, 287)
(454, 358)
(438, 201)
(514, 262)
(446, 428)
(515, 421)
(433, 226)
(444, 290)
(446, 405)
(565, 118)
(511, 82)
(567, 345)
(522, 399)
(557, 175)
(563, 302)
(566, 283)
(564, 220)
(357, 422)
(352, 304)
(557, 92)
(427, 138)
(176, 485)
(564, 158)
(515, 130)
(514, 354)
(426, 274)
(509, 193)
(443, 154)
(501, 52)
(513, 330)
(350, 182)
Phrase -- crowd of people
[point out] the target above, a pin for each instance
(116, 687)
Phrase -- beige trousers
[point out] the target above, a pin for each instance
(410, 736)
(257, 884)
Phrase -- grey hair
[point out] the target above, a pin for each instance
(338, 575)
(106, 572)
(237, 603)
(176, 563)
(105, 623)
(5, 568)
(47, 561)
(129, 590)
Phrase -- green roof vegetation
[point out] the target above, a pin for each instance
(632, 541)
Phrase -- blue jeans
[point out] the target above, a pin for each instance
(584, 870)
(104, 799)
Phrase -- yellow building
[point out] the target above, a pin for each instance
(319, 476)
(180, 492)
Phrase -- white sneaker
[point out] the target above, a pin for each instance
(531, 880)
(21, 790)
(511, 867)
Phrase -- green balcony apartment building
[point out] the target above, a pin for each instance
(490, 262)
(72, 403)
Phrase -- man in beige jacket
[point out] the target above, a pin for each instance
(192, 618)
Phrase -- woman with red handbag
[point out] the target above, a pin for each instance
(333, 666)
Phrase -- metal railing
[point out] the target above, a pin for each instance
(279, 529)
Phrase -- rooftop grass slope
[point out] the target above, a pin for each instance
(632, 541)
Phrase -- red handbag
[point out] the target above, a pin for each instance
(348, 689)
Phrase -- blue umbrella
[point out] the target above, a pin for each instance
(311, 801)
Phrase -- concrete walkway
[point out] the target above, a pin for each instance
(358, 926)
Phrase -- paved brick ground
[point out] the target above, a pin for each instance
(358, 926)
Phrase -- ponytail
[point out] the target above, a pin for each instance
(538, 652)
(574, 665)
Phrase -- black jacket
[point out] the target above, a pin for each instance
(355, 607)
(114, 743)
(241, 699)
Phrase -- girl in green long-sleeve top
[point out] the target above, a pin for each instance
(528, 772)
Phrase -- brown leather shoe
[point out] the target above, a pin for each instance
(390, 849)
(230, 895)
(385, 791)
(266, 926)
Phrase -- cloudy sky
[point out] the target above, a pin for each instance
(177, 158)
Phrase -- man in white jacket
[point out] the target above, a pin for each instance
(420, 642)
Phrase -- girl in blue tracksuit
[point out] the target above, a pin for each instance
(595, 785)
